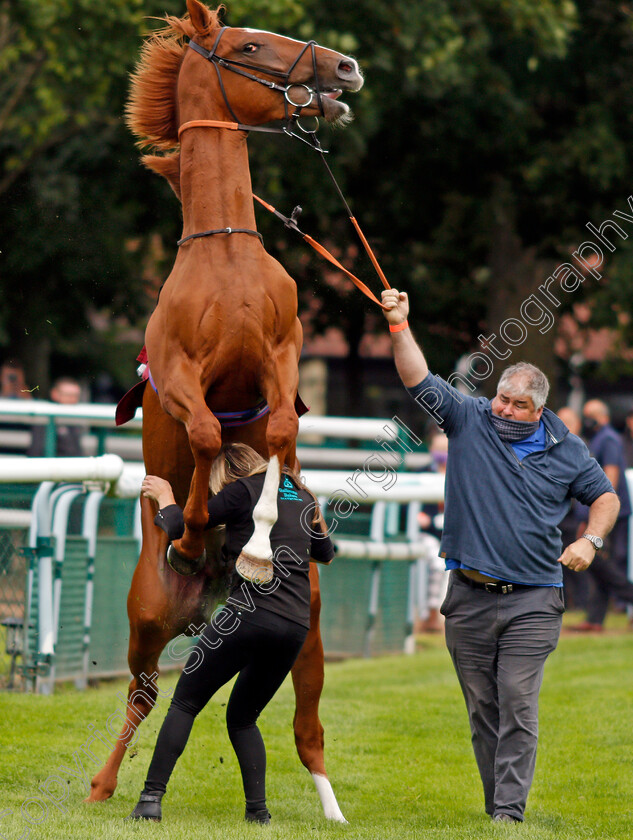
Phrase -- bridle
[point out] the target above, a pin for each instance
(240, 67)
(290, 120)
(289, 123)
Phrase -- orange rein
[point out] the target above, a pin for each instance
(320, 249)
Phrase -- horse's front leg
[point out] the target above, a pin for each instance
(187, 554)
(280, 387)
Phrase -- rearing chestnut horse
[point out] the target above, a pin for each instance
(224, 336)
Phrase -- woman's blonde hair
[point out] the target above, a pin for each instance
(233, 461)
(238, 460)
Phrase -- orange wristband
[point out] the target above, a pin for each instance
(398, 327)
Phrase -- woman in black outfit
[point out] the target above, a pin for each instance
(259, 632)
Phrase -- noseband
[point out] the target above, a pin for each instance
(284, 88)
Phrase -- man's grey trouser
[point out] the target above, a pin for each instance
(499, 644)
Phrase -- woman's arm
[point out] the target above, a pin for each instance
(169, 516)
(158, 489)
(322, 550)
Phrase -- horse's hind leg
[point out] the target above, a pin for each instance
(149, 633)
(141, 698)
(307, 677)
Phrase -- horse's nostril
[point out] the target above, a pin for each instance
(346, 67)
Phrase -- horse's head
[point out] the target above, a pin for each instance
(257, 76)
(243, 75)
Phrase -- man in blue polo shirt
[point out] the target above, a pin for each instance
(609, 571)
(512, 470)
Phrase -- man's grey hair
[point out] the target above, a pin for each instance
(524, 379)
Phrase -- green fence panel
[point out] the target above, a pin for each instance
(31, 659)
(74, 574)
(115, 562)
(357, 524)
(17, 496)
(116, 517)
(346, 625)
(345, 593)
(13, 566)
(393, 601)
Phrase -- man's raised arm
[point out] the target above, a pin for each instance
(408, 356)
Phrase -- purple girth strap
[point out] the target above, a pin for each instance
(228, 419)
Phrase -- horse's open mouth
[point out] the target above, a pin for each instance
(334, 110)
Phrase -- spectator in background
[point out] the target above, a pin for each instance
(431, 520)
(627, 438)
(576, 586)
(65, 391)
(608, 572)
(12, 384)
(13, 387)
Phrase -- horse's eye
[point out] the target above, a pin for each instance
(250, 48)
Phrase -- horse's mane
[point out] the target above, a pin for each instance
(150, 112)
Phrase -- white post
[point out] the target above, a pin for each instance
(89, 532)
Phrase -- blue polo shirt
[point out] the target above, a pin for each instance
(503, 507)
(534, 443)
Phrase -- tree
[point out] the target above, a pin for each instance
(84, 230)
(71, 208)
(488, 134)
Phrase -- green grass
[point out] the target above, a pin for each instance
(398, 755)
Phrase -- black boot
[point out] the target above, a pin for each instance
(147, 808)
(262, 816)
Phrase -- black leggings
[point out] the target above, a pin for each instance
(263, 656)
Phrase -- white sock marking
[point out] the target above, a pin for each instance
(328, 800)
(265, 514)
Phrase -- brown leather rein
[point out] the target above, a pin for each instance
(290, 222)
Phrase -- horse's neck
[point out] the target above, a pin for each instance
(215, 180)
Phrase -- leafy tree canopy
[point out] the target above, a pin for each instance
(487, 135)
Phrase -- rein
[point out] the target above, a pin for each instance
(291, 223)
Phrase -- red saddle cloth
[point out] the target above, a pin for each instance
(133, 399)
(129, 402)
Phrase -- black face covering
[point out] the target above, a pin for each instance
(513, 431)
(589, 426)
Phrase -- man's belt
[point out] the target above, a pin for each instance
(498, 588)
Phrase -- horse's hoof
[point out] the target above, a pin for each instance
(254, 568)
(183, 565)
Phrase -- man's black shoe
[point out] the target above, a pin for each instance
(505, 818)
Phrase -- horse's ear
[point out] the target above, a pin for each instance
(201, 17)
